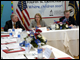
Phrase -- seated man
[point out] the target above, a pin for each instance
(69, 19)
(13, 23)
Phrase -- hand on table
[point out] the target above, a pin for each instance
(71, 25)
(18, 28)
(38, 25)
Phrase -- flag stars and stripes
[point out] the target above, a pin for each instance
(23, 14)
(20, 5)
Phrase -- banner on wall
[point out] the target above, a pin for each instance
(47, 9)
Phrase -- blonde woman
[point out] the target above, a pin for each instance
(38, 21)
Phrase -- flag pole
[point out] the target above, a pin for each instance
(22, 11)
(74, 11)
(78, 5)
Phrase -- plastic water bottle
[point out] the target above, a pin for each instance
(18, 39)
(10, 33)
(27, 47)
(40, 51)
(13, 32)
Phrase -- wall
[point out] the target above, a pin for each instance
(48, 20)
(6, 12)
(51, 20)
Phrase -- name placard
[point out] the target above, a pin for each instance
(48, 53)
(43, 29)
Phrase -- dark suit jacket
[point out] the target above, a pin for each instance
(71, 20)
(8, 25)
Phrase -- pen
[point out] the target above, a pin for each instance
(7, 48)
(25, 56)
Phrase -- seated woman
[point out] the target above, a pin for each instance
(38, 21)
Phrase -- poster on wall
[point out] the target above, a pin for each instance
(47, 9)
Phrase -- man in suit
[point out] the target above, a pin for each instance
(13, 23)
(71, 21)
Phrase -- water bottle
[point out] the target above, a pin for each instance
(13, 32)
(10, 33)
(40, 51)
(27, 47)
(18, 38)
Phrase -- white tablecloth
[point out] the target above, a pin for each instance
(19, 55)
(65, 40)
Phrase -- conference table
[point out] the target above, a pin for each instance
(61, 42)
(32, 54)
(12, 43)
(66, 40)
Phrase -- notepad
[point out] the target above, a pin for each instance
(13, 50)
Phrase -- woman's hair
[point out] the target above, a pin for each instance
(38, 15)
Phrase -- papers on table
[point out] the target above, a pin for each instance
(43, 29)
(10, 46)
(4, 32)
(8, 40)
(14, 50)
(20, 57)
(12, 56)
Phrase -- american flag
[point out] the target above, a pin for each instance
(23, 14)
